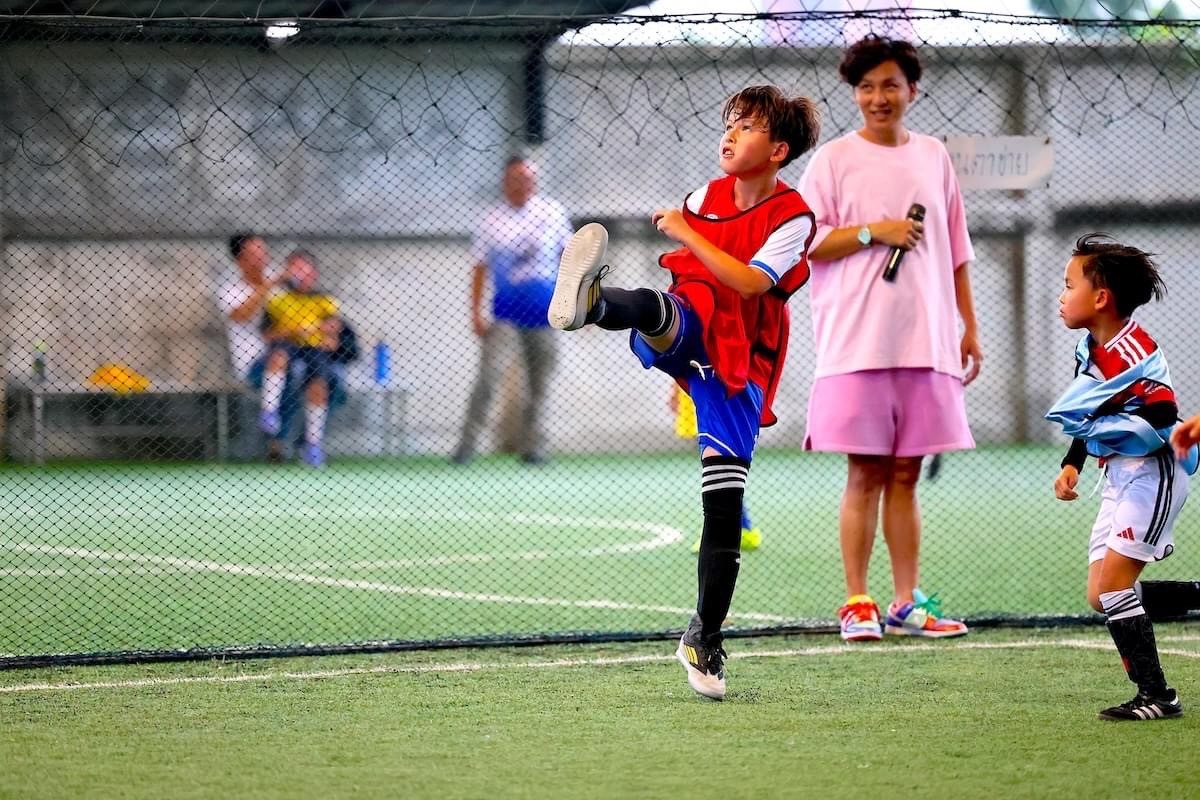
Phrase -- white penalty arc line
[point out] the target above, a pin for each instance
(270, 573)
(67, 572)
(570, 663)
(660, 535)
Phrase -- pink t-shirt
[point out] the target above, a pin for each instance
(861, 321)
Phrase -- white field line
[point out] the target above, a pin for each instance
(74, 572)
(291, 576)
(658, 535)
(568, 663)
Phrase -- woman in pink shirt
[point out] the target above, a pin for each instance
(891, 361)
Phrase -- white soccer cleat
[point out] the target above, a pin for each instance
(578, 286)
(705, 667)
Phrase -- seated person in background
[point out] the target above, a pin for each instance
(302, 331)
(241, 298)
(344, 353)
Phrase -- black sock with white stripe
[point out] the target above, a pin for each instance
(722, 487)
(647, 311)
(1133, 634)
(1168, 599)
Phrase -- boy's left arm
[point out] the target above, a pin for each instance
(742, 278)
(1150, 400)
(1161, 415)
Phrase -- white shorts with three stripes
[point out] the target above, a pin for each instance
(1141, 499)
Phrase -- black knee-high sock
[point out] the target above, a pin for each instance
(644, 310)
(1133, 634)
(1168, 599)
(722, 486)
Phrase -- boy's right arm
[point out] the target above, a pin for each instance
(1076, 455)
(1064, 484)
(253, 302)
(1072, 463)
(742, 278)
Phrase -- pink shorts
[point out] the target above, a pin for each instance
(888, 412)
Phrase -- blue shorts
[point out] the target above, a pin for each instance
(729, 425)
(306, 364)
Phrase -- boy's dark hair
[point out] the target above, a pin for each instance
(868, 53)
(792, 120)
(1128, 273)
(238, 241)
(300, 254)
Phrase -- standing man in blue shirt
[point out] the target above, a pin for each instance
(517, 246)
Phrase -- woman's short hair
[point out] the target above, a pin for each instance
(868, 53)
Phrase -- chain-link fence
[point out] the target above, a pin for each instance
(161, 493)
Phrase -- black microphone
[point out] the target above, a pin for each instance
(892, 265)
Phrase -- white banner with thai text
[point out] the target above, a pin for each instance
(1001, 162)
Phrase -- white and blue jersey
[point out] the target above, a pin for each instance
(521, 248)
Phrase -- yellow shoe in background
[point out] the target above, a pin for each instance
(751, 540)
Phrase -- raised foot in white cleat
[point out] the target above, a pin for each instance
(578, 286)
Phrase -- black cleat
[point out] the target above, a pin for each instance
(1143, 707)
(935, 467)
(705, 666)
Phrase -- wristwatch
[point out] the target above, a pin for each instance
(864, 236)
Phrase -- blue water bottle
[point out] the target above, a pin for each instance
(383, 363)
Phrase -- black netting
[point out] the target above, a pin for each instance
(143, 512)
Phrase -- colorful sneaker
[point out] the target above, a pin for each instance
(751, 540)
(578, 286)
(1143, 708)
(705, 666)
(270, 423)
(922, 617)
(313, 455)
(860, 619)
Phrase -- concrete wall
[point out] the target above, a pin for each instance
(125, 166)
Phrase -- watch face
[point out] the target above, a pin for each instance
(864, 235)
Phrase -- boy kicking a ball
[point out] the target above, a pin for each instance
(721, 329)
(1121, 408)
